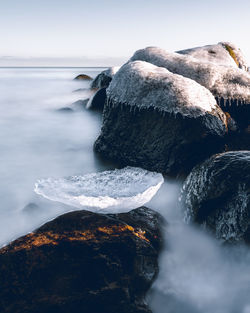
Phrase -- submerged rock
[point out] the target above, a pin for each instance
(31, 208)
(97, 101)
(159, 120)
(217, 195)
(106, 192)
(223, 53)
(83, 77)
(65, 110)
(80, 104)
(103, 79)
(83, 262)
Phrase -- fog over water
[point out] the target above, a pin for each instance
(38, 141)
(197, 274)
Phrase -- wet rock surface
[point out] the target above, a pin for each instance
(217, 195)
(155, 123)
(83, 262)
(97, 101)
(103, 79)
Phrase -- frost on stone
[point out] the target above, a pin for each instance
(114, 191)
(103, 79)
(224, 82)
(223, 53)
(150, 86)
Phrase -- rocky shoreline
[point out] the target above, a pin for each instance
(181, 114)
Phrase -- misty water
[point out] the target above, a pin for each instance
(37, 140)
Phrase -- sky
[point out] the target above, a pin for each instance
(108, 32)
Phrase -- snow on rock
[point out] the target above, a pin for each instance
(216, 194)
(114, 191)
(145, 85)
(159, 120)
(103, 79)
(236, 54)
(223, 81)
(223, 53)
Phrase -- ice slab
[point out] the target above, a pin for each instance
(114, 191)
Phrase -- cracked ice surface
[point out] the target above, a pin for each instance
(106, 192)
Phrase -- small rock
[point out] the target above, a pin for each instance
(83, 77)
(65, 110)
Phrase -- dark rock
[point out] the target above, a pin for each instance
(103, 79)
(83, 77)
(98, 100)
(83, 262)
(217, 195)
(151, 121)
(239, 110)
(227, 80)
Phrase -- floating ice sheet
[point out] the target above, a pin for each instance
(107, 192)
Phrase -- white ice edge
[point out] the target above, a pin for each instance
(104, 203)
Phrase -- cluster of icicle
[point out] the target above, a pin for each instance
(150, 86)
(224, 81)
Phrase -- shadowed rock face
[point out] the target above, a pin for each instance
(217, 195)
(159, 121)
(103, 79)
(83, 262)
(97, 101)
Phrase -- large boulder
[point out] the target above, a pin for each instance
(103, 79)
(158, 120)
(223, 81)
(223, 53)
(216, 194)
(230, 86)
(83, 262)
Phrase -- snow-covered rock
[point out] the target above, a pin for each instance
(216, 194)
(158, 120)
(225, 82)
(223, 53)
(105, 192)
(103, 79)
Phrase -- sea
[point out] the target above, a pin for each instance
(45, 133)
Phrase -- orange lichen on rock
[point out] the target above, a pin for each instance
(232, 54)
(50, 238)
(115, 230)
